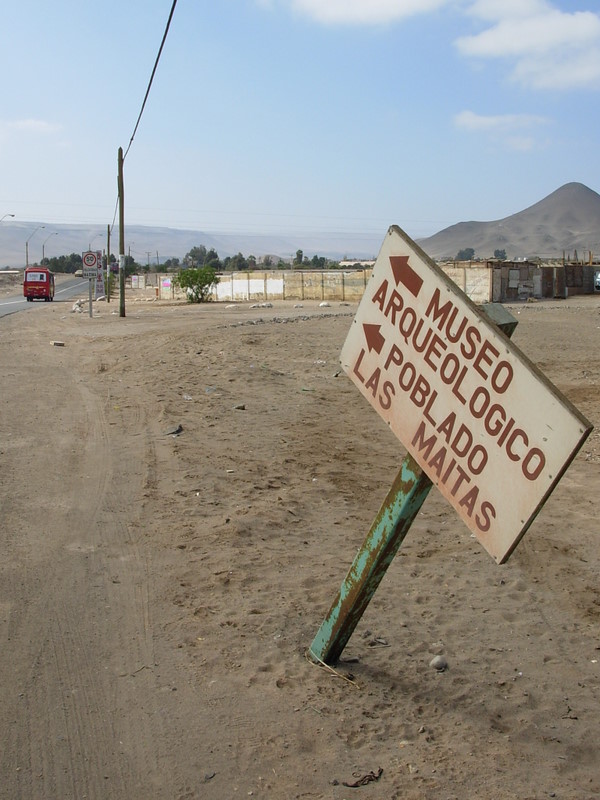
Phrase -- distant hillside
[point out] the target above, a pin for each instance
(149, 244)
(566, 220)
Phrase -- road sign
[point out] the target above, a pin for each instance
(99, 290)
(91, 260)
(490, 431)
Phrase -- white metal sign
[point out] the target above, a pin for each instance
(490, 431)
(90, 263)
(99, 287)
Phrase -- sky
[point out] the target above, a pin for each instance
(291, 116)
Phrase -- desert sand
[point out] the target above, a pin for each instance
(183, 491)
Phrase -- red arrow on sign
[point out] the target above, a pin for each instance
(405, 274)
(375, 340)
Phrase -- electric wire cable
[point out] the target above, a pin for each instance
(160, 49)
(151, 78)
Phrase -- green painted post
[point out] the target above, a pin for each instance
(400, 507)
(402, 504)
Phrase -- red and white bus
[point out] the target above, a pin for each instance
(38, 283)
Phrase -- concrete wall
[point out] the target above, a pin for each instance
(296, 285)
(476, 282)
(485, 283)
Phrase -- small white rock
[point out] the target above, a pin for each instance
(439, 663)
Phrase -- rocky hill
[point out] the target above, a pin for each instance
(565, 221)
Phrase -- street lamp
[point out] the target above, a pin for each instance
(54, 233)
(27, 244)
(5, 216)
(92, 239)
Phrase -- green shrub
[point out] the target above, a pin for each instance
(197, 283)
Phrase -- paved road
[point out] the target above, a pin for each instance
(65, 291)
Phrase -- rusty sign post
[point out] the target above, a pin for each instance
(478, 420)
(387, 533)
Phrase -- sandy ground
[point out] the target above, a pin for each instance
(158, 592)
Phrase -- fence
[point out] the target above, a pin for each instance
(338, 285)
(488, 282)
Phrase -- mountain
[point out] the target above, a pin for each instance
(565, 221)
(146, 243)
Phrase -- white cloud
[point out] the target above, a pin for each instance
(550, 49)
(471, 121)
(512, 131)
(364, 12)
(565, 70)
(545, 47)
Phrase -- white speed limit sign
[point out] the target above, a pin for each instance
(90, 264)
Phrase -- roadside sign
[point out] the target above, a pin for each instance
(99, 290)
(91, 263)
(489, 430)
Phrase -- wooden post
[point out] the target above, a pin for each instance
(121, 235)
(108, 263)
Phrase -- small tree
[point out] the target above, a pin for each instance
(131, 266)
(466, 254)
(237, 263)
(211, 259)
(197, 282)
(501, 254)
(196, 256)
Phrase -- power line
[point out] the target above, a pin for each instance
(151, 78)
(160, 49)
(115, 214)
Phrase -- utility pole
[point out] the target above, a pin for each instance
(121, 237)
(108, 263)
